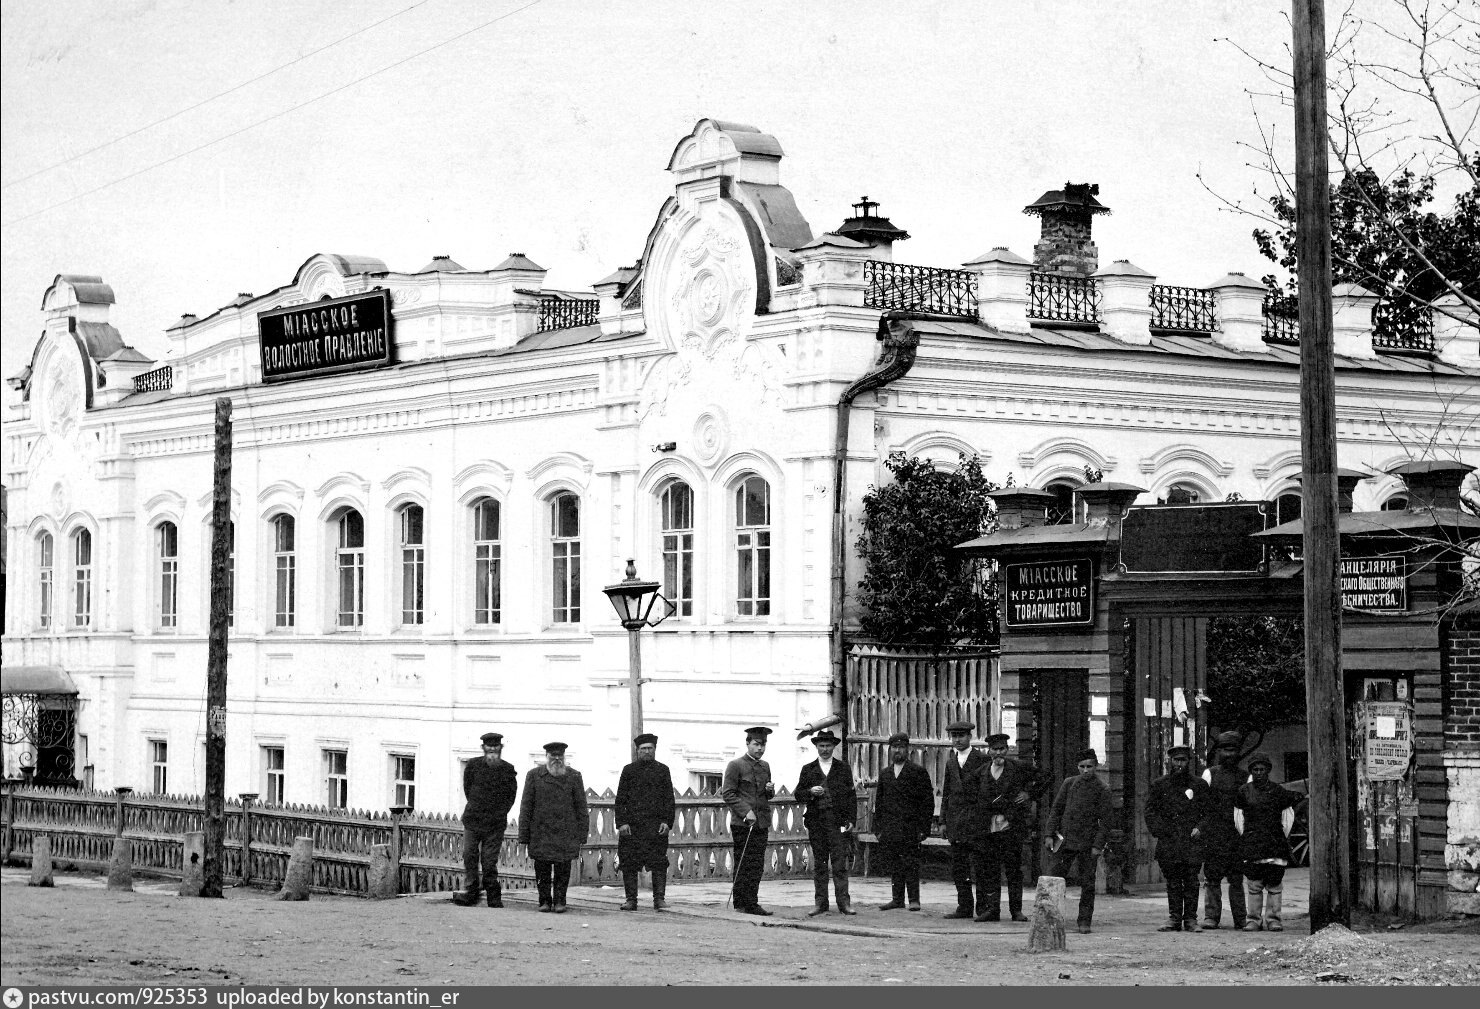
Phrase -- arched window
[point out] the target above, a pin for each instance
(167, 559)
(677, 506)
(1286, 507)
(82, 578)
(349, 568)
(413, 565)
(488, 562)
(1396, 503)
(565, 558)
(285, 571)
(753, 547)
(45, 550)
(1064, 509)
(1181, 494)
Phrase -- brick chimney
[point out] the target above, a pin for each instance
(1433, 484)
(1066, 215)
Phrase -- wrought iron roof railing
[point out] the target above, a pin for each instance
(1058, 298)
(161, 379)
(1183, 309)
(1281, 319)
(567, 313)
(930, 289)
(1403, 327)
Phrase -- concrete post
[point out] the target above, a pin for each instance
(1240, 308)
(384, 880)
(1456, 340)
(1351, 320)
(121, 868)
(1046, 934)
(1002, 289)
(41, 861)
(123, 793)
(193, 864)
(1125, 301)
(299, 877)
(10, 786)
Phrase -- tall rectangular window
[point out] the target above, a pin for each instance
(336, 779)
(274, 775)
(45, 548)
(753, 548)
(565, 558)
(350, 568)
(82, 578)
(678, 547)
(159, 765)
(413, 565)
(285, 572)
(403, 780)
(487, 563)
(167, 551)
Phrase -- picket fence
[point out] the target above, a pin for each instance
(428, 847)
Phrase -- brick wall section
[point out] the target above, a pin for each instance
(1461, 760)
(1462, 720)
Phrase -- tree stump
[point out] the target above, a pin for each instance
(121, 868)
(385, 874)
(1046, 934)
(193, 864)
(41, 861)
(300, 870)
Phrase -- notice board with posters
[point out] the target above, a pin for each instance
(1388, 736)
(1050, 594)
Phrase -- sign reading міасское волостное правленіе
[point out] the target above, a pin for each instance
(336, 334)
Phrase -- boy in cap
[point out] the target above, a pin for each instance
(904, 804)
(489, 785)
(1000, 822)
(826, 786)
(1078, 826)
(644, 813)
(1264, 813)
(553, 823)
(957, 809)
(1219, 837)
(747, 790)
(1175, 806)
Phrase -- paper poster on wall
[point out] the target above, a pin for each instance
(1389, 740)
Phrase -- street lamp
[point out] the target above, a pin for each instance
(634, 600)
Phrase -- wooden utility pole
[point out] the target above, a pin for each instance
(215, 814)
(1325, 702)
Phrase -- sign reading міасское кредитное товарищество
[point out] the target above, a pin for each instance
(336, 334)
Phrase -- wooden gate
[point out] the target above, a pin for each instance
(1384, 802)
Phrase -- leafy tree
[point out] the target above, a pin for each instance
(916, 589)
(1256, 672)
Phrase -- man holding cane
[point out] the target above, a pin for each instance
(747, 790)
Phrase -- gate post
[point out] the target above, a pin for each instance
(247, 799)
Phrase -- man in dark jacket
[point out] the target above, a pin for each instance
(553, 823)
(489, 785)
(1000, 820)
(957, 804)
(1219, 837)
(644, 813)
(1078, 826)
(747, 790)
(1265, 812)
(826, 786)
(1175, 807)
(903, 807)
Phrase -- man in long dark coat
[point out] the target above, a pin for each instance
(1000, 820)
(1078, 826)
(1265, 813)
(826, 786)
(747, 790)
(553, 823)
(957, 805)
(1175, 807)
(1220, 838)
(489, 785)
(903, 807)
(644, 814)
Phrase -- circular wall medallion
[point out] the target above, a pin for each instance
(711, 435)
(63, 397)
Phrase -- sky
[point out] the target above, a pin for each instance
(476, 128)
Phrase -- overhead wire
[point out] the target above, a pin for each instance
(207, 101)
(277, 115)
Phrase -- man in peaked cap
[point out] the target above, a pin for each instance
(1175, 806)
(1219, 836)
(553, 823)
(826, 786)
(747, 790)
(957, 800)
(1078, 826)
(644, 814)
(1000, 824)
(903, 807)
(489, 785)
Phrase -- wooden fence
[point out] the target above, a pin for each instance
(428, 847)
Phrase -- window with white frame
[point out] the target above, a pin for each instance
(1396, 503)
(753, 547)
(677, 508)
(274, 775)
(82, 578)
(1065, 507)
(487, 562)
(285, 571)
(45, 558)
(403, 780)
(1287, 507)
(336, 779)
(349, 568)
(159, 765)
(705, 782)
(565, 558)
(413, 564)
(167, 559)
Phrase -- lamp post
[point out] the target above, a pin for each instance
(633, 599)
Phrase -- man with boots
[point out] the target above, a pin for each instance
(553, 823)
(903, 807)
(747, 790)
(644, 812)
(1078, 826)
(1175, 806)
(1264, 812)
(489, 785)
(1219, 837)
(1000, 822)
(826, 786)
(957, 813)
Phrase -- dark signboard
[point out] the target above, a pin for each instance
(1050, 594)
(1375, 583)
(336, 334)
(1211, 537)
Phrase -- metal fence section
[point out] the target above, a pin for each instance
(1056, 298)
(1183, 309)
(1281, 319)
(1403, 327)
(567, 313)
(161, 379)
(927, 289)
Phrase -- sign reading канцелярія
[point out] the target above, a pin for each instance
(1050, 594)
(336, 334)
(1374, 583)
